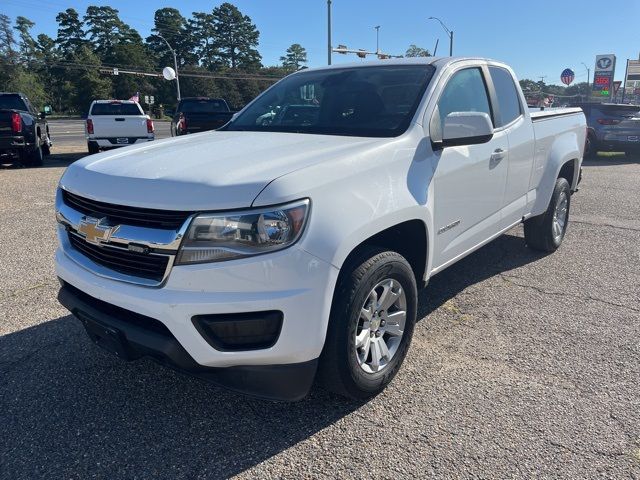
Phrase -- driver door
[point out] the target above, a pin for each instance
(469, 181)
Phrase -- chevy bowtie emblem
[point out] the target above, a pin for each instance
(93, 232)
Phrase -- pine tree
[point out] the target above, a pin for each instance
(27, 44)
(295, 57)
(416, 51)
(70, 32)
(235, 38)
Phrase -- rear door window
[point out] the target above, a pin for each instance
(203, 106)
(116, 109)
(507, 95)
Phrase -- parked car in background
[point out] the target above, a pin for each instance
(24, 133)
(199, 114)
(117, 123)
(272, 251)
(612, 127)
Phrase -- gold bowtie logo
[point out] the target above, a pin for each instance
(94, 232)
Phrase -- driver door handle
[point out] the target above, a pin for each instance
(498, 154)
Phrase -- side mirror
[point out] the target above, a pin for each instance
(466, 128)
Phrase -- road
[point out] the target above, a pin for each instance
(523, 365)
(68, 135)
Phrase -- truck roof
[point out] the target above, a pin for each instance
(436, 61)
(114, 100)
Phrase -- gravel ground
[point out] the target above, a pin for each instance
(523, 365)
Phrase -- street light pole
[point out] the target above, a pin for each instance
(328, 32)
(449, 34)
(175, 64)
(377, 38)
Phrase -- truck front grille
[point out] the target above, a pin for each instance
(136, 216)
(145, 265)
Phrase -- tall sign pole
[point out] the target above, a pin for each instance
(328, 32)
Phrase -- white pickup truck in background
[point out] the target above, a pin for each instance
(273, 252)
(117, 123)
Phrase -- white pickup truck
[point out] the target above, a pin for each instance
(117, 123)
(274, 252)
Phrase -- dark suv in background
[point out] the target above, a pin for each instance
(612, 127)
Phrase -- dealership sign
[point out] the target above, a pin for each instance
(603, 76)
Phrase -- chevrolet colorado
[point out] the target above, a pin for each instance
(268, 254)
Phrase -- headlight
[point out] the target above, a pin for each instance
(214, 237)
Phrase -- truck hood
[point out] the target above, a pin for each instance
(206, 171)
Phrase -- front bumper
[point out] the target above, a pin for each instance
(131, 336)
(291, 281)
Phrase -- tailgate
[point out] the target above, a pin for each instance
(108, 126)
(206, 121)
(5, 122)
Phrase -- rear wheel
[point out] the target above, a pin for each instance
(34, 158)
(371, 324)
(545, 232)
(93, 147)
(46, 147)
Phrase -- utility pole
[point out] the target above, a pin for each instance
(542, 77)
(328, 32)
(377, 38)
(588, 73)
(449, 34)
(175, 64)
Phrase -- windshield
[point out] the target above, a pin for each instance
(203, 106)
(12, 102)
(116, 108)
(376, 101)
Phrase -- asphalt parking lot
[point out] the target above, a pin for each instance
(522, 365)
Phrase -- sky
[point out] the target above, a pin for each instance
(537, 39)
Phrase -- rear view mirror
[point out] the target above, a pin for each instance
(466, 128)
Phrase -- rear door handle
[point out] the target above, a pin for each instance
(119, 119)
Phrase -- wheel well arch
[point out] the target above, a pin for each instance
(568, 171)
(409, 238)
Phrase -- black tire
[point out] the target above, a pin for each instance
(46, 147)
(539, 231)
(339, 370)
(34, 158)
(591, 147)
(93, 147)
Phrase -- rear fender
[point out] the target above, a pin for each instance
(567, 147)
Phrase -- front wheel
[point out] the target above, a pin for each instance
(371, 324)
(545, 232)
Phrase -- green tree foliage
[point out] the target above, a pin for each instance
(71, 34)
(66, 71)
(295, 57)
(8, 53)
(416, 51)
(235, 38)
(30, 84)
(105, 29)
(87, 83)
(27, 44)
(173, 27)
